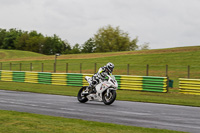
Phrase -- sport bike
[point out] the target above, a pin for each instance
(105, 91)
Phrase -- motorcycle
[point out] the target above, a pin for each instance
(105, 91)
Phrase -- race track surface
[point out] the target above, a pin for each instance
(163, 116)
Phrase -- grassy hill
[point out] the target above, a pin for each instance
(17, 54)
(177, 60)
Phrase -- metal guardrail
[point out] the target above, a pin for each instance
(126, 82)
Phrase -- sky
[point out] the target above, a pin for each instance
(161, 23)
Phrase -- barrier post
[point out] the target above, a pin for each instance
(166, 74)
(42, 67)
(66, 67)
(188, 71)
(95, 67)
(127, 69)
(80, 67)
(31, 67)
(10, 66)
(54, 66)
(147, 71)
(20, 66)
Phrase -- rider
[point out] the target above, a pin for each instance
(101, 75)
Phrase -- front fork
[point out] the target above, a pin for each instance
(108, 92)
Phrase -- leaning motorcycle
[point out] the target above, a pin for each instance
(105, 91)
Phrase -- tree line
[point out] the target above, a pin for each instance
(107, 39)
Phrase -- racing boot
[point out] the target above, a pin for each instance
(88, 90)
(94, 89)
(93, 86)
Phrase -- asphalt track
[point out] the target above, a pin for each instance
(162, 116)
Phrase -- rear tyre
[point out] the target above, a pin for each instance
(82, 98)
(109, 99)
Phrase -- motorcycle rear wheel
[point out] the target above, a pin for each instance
(109, 99)
(82, 98)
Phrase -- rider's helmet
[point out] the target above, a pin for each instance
(110, 67)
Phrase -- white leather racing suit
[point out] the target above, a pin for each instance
(100, 75)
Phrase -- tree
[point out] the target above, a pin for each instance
(109, 39)
(53, 45)
(34, 33)
(58, 44)
(10, 37)
(2, 36)
(133, 45)
(33, 41)
(47, 48)
(144, 46)
(21, 41)
(35, 44)
(88, 46)
(76, 49)
(67, 48)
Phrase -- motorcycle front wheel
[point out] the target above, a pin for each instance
(82, 98)
(110, 98)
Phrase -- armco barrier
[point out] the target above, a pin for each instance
(143, 83)
(126, 82)
(189, 86)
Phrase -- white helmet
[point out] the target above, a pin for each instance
(110, 66)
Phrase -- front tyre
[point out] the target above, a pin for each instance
(82, 98)
(110, 98)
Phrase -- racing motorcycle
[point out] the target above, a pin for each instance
(105, 91)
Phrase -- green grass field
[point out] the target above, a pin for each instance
(177, 60)
(16, 122)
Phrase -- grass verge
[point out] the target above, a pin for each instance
(172, 97)
(17, 122)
